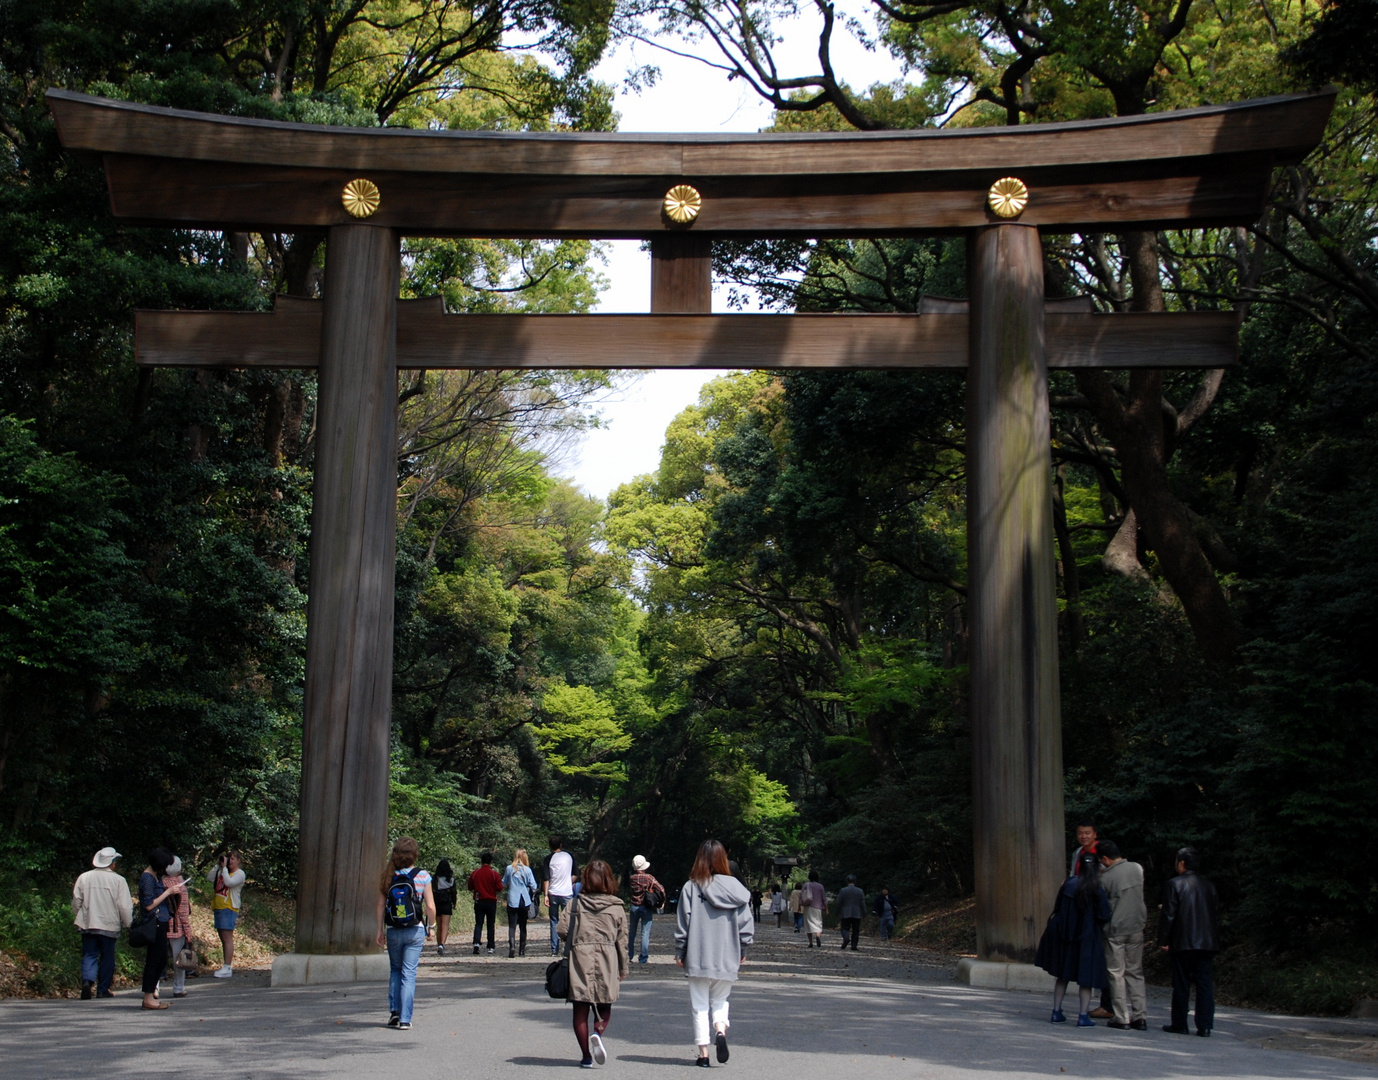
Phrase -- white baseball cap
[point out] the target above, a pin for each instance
(104, 857)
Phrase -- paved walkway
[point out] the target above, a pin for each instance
(876, 1014)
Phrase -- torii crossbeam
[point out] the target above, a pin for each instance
(999, 186)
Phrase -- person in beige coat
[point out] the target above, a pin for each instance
(598, 956)
(102, 906)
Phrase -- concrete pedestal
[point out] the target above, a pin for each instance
(306, 969)
(996, 976)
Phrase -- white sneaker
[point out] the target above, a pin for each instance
(597, 1050)
(224, 973)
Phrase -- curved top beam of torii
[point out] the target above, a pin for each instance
(1193, 167)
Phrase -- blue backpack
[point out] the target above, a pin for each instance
(401, 909)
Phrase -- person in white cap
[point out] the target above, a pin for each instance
(179, 929)
(647, 896)
(101, 905)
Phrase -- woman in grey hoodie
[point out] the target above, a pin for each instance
(712, 930)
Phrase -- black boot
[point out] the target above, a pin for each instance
(86, 989)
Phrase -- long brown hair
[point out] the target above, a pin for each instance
(404, 853)
(711, 859)
(599, 878)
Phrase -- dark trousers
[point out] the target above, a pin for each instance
(485, 910)
(155, 962)
(1192, 966)
(98, 961)
(516, 917)
(852, 928)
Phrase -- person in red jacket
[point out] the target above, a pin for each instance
(485, 883)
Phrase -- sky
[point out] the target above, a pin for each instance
(635, 417)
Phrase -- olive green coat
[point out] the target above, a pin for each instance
(598, 957)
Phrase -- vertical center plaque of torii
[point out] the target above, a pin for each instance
(998, 186)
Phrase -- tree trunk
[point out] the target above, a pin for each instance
(1136, 427)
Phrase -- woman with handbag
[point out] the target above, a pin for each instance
(446, 889)
(594, 926)
(153, 899)
(179, 929)
(520, 883)
(713, 927)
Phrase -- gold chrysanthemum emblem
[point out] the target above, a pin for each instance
(361, 197)
(682, 204)
(1008, 197)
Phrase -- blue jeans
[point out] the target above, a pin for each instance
(404, 954)
(98, 961)
(555, 905)
(887, 927)
(642, 916)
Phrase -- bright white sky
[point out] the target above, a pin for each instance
(689, 97)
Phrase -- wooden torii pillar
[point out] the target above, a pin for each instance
(999, 186)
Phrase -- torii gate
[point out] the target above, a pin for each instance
(999, 186)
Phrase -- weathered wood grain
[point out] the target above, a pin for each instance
(428, 338)
(682, 274)
(346, 724)
(1282, 128)
(149, 190)
(1016, 728)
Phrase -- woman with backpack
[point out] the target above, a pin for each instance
(647, 896)
(1071, 949)
(406, 903)
(520, 882)
(446, 890)
(713, 928)
(594, 926)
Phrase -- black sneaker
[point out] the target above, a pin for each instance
(404, 1026)
(86, 990)
(394, 1019)
(440, 950)
(703, 1063)
(475, 950)
(721, 1041)
(1139, 1025)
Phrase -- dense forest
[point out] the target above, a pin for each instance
(762, 638)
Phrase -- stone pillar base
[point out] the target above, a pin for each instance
(987, 973)
(306, 969)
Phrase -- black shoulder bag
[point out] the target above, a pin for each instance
(557, 971)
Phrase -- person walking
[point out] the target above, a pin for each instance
(851, 909)
(179, 927)
(756, 897)
(227, 881)
(1189, 932)
(815, 904)
(557, 886)
(1123, 882)
(886, 911)
(647, 896)
(777, 903)
(713, 930)
(446, 891)
(485, 883)
(101, 906)
(595, 928)
(796, 906)
(406, 904)
(153, 898)
(520, 883)
(1071, 949)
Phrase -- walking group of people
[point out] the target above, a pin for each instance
(1095, 938)
(713, 927)
(808, 903)
(102, 906)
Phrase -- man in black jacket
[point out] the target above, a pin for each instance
(1189, 930)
